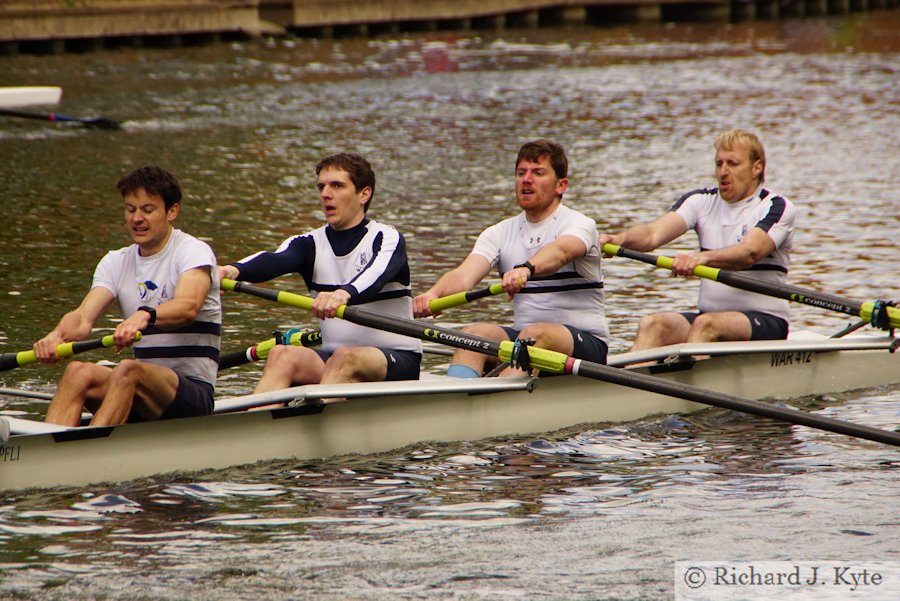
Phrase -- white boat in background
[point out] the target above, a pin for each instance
(14, 96)
(324, 421)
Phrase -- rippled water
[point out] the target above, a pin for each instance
(591, 513)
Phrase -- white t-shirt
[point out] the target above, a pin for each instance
(719, 224)
(137, 281)
(572, 296)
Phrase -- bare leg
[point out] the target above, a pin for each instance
(288, 366)
(355, 364)
(720, 327)
(661, 329)
(146, 387)
(82, 384)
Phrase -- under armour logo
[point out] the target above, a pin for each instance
(756, 321)
(393, 359)
(535, 240)
(580, 339)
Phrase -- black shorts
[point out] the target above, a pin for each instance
(193, 397)
(586, 346)
(401, 365)
(762, 325)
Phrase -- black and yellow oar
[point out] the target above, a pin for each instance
(10, 361)
(461, 298)
(260, 350)
(559, 363)
(878, 313)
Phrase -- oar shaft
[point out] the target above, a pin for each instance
(559, 363)
(751, 284)
(10, 361)
(631, 379)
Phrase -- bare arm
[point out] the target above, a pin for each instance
(74, 325)
(180, 310)
(460, 279)
(649, 236)
(755, 245)
(548, 260)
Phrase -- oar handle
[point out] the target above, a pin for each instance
(461, 298)
(10, 361)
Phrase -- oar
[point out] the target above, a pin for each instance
(10, 361)
(461, 298)
(878, 313)
(261, 350)
(99, 122)
(554, 362)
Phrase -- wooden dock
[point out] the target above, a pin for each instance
(48, 26)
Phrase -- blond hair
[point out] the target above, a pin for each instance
(728, 139)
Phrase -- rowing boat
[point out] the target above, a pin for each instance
(329, 420)
(13, 96)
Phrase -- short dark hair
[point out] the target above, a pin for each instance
(537, 149)
(154, 180)
(359, 169)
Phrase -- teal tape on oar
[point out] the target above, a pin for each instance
(260, 350)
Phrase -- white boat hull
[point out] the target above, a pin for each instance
(383, 416)
(14, 96)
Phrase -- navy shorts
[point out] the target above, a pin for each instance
(586, 346)
(401, 365)
(193, 397)
(762, 325)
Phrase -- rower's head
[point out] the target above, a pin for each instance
(358, 169)
(155, 181)
(346, 185)
(740, 164)
(541, 177)
(152, 202)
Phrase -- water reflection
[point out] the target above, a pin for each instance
(441, 116)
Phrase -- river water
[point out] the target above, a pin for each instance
(606, 512)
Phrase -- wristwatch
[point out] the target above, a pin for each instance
(152, 313)
(526, 264)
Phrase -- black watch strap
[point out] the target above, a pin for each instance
(526, 264)
(152, 313)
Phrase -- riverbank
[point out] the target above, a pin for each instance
(49, 26)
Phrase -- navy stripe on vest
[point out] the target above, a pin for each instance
(384, 295)
(764, 267)
(684, 197)
(776, 212)
(197, 327)
(563, 288)
(175, 352)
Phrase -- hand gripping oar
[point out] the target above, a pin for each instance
(554, 362)
(878, 313)
(261, 350)
(461, 298)
(10, 361)
(98, 122)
